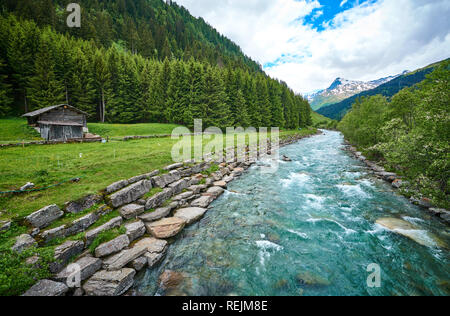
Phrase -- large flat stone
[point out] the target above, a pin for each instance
(47, 288)
(83, 203)
(124, 257)
(166, 227)
(215, 191)
(64, 253)
(131, 211)
(53, 233)
(116, 186)
(158, 199)
(174, 166)
(113, 246)
(129, 194)
(135, 230)
(166, 179)
(109, 283)
(190, 214)
(87, 267)
(44, 216)
(92, 234)
(24, 242)
(203, 201)
(179, 185)
(156, 215)
(152, 245)
(81, 224)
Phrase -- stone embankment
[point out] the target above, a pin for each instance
(146, 221)
(398, 183)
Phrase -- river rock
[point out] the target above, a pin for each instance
(44, 216)
(397, 183)
(92, 234)
(215, 191)
(190, 214)
(158, 199)
(113, 246)
(139, 263)
(146, 176)
(131, 211)
(409, 230)
(156, 215)
(120, 260)
(152, 245)
(135, 230)
(166, 227)
(222, 184)
(196, 189)
(87, 267)
(203, 201)
(170, 279)
(64, 253)
(109, 283)
(24, 242)
(129, 194)
(306, 278)
(47, 288)
(154, 257)
(228, 179)
(83, 203)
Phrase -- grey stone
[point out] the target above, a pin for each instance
(221, 184)
(437, 211)
(183, 196)
(166, 179)
(209, 182)
(190, 214)
(78, 292)
(228, 179)
(156, 215)
(445, 217)
(215, 191)
(130, 193)
(47, 288)
(103, 210)
(4, 226)
(81, 224)
(87, 267)
(202, 202)
(112, 247)
(152, 245)
(158, 199)
(44, 216)
(135, 230)
(153, 258)
(194, 181)
(92, 234)
(64, 253)
(83, 204)
(35, 232)
(131, 211)
(23, 242)
(196, 189)
(174, 166)
(146, 176)
(27, 186)
(116, 186)
(53, 233)
(139, 263)
(120, 260)
(217, 176)
(109, 283)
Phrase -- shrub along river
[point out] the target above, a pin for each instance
(308, 229)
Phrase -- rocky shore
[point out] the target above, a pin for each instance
(398, 183)
(184, 192)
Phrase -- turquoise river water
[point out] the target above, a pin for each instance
(308, 229)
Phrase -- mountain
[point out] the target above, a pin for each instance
(338, 110)
(342, 89)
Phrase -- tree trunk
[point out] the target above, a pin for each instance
(25, 100)
(103, 106)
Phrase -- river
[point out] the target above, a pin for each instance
(308, 229)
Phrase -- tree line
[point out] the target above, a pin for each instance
(40, 67)
(410, 133)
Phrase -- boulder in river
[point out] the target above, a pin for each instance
(411, 231)
(166, 227)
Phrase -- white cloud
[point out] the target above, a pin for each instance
(343, 3)
(363, 43)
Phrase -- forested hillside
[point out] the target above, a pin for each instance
(409, 133)
(338, 110)
(135, 61)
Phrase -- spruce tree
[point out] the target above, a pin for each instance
(217, 112)
(102, 79)
(178, 94)
(44, 88)
(5, 91)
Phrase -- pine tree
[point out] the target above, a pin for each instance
(102, 80)
(276, 108)
(217, 112)
(178, 94)
(44, 88)
(263, 102)
(5, 91)
(242, 118)
(197, 106)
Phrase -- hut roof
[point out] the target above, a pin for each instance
(49, 108)
(59, 123)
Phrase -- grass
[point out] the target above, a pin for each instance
(320, 121)
(16, 130)
(122, 130)
(106, 236)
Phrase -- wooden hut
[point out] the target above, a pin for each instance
(58, 122)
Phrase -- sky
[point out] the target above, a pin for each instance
(309, 43)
